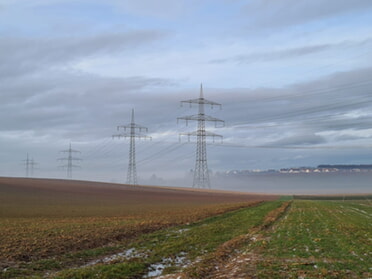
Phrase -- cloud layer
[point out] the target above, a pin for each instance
(293, 78)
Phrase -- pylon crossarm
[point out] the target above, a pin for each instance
(197, 117)
(201, 133)
(146, 137)
(186, 118)
(72, 151)
(142, 137)
(184, 134)
(137, 135)
(119, 136)
(132, 125)
(211, 119)
(201, 101)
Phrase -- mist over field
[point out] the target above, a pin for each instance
(350, 183)
(281, 183)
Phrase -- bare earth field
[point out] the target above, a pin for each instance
(23, 197)
(43, 218)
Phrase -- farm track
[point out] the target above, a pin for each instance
(176, 248)
(228, 259)
(313, 240)
(309, 239)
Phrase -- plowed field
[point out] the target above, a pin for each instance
(43, 219)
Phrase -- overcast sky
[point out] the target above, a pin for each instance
(294, 78)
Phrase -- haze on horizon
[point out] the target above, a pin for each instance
(293, 78)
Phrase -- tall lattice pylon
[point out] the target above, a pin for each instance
(29, 164)
(70, 159)
(134, 132)
(201, 174)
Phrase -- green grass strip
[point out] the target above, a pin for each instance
(188, 242)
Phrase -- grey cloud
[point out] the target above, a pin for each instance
(347, 137)
(339, 123)
(160, 8)
(299, 139)
(44, 104)
(25, 55)
(290, 53)
(275, 55)
(65, 100)
(275, 14)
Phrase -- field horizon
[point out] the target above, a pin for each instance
(234, 191)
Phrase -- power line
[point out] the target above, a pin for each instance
(311, 110)
(132, 135)
(362, 100)
(164, 151)
(98, 148)
(320, 147)
(317, 91)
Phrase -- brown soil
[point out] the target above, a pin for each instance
(40, 218)
(21, 192)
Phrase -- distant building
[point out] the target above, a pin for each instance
(305, 170)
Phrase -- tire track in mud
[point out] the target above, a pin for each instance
(243, 264)
(228, 261)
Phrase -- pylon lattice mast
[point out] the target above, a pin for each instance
(29, 164)
(70, 159)
(134, 132)
(201, 174)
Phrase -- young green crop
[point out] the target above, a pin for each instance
(320, 239)
(186, 242)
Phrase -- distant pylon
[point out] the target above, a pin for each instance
(29, 164)
(69, 166)
(201, 174)
(132, 169)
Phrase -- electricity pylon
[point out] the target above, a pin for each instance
(29, 163)
(201, 174)
(70, 159)
(134, 132)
